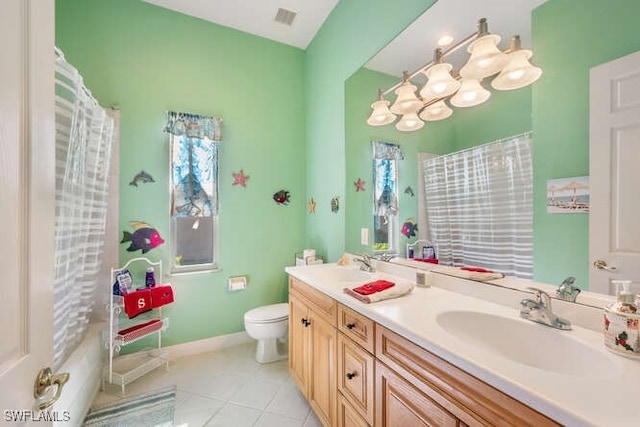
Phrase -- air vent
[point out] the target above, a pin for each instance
(285, 16)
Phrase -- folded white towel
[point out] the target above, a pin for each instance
(395, 291)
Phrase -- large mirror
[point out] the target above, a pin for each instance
(568, 38)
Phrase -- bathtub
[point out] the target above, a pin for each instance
(84, 366)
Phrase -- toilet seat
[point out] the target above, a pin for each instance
(268, 313)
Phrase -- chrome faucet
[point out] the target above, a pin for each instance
(539, 310)
(567, 290)
(367, 265)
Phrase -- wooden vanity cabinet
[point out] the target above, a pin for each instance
(356, 373)
(312, 348)
(472, 401)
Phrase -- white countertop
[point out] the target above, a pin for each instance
(602, 395)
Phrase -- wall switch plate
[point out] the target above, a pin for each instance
(237, 283)
(364, 236)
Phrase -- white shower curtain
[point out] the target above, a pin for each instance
(479, 206)
(84, 135)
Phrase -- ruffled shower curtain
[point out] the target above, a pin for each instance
(480, 206)
(84, 135)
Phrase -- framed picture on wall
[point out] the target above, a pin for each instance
(568, 195)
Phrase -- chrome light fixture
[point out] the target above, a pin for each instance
(465, 89)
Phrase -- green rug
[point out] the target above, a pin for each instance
(151, 409)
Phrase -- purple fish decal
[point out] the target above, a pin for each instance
(145, 237)
(409, 228)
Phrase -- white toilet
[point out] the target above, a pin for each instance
(269, 325)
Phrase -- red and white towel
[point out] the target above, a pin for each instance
(379, 290)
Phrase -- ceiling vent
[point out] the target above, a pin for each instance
(285, 16)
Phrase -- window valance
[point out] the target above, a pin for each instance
(193, 126)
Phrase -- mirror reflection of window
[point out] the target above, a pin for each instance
(385, 196)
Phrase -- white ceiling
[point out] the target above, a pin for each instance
(414, 47)
(410, 50)
(258, 16)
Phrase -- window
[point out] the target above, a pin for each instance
(194, 191)
(385, 196)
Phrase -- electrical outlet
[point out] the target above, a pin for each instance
(237, 283)
(364, 236)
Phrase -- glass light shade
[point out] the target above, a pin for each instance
(518, 72)
(436, 111)
(470, 94)
(406, 101)
(380, 115)
(409, 122)
(486, 59)
(440, 83)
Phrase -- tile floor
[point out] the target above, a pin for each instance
(226, 388)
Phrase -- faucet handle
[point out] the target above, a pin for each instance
(541, 296)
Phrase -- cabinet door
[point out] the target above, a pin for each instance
(322, 387)
(399, 404)
(299, 344)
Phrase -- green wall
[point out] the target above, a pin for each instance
(353, 33)
(569, 38)
(504, 114)
(147, 60)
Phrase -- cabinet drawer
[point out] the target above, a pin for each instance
(357, 327)
(356, 376)
(325, 306)
(471, 400)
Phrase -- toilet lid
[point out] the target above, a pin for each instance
(268, 313)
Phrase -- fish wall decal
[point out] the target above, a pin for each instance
(144, 238)
(282, 197)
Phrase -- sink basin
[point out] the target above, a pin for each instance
(528, 343)
(343, 274)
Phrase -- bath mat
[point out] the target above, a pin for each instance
(154, 408)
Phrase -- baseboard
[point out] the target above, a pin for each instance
(208, 345)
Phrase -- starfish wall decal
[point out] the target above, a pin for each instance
(239, 178)
(312, 206)
(360, 185)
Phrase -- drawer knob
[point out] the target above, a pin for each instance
(350, 375)
(305, 322)
(350, 325)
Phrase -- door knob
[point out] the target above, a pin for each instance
(602, 265)
(46, 379)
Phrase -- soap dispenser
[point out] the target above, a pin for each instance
(626, 300)
(622, 323)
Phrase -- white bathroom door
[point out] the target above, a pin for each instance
(27, 202)
(614, 231)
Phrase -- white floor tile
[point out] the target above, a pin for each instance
(312, 420)
(255, 394)
(289, 402)
(277, 372)
(235, 416)
(194, 410)
(217, 386)
(226, 388)
(268, 419)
